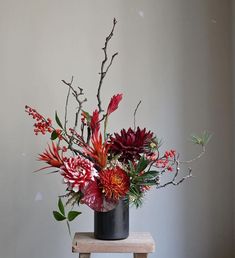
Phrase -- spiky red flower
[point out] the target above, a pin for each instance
(77, 172)
(114, 183)
(131, 144)
(95, 125)
(113, 104)
(52, 157)
(98, 151)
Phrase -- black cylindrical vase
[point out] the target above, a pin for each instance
(114, 224)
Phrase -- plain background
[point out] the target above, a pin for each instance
(175, 56)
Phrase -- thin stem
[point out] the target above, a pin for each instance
(66, 106)
(135, 114)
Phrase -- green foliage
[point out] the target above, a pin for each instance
(72, 215)
(203, 139)
(140, 179)
(61, 207)
(60, 215)
(58, 120)
(54, 135)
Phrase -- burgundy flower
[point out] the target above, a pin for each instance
(131, 144)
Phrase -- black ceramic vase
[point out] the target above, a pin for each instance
(114, 224)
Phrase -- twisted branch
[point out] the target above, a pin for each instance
(103, 70)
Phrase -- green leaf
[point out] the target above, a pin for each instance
(58, 120)
(203, 139)
(61, 206)
(143, 163)
(54, 135)
(72, 215)
(88, 116)
(58, 216)
(149, 174)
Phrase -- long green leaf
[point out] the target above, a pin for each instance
(61, 206)
(72, 215)
(143, 163)
(58, 216)
(58, 120)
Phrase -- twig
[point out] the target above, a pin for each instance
(104, 71)
(80, 102)
(76, 96)
(196, 158)
(66, 106)
(135, 114)
(173, 182)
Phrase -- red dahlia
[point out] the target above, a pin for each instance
(131, 144)
(78, 172)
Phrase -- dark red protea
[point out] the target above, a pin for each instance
(131, 144)
(114, 183)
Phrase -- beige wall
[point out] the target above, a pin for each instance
(174, 55)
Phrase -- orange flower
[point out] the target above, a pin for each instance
(114, 183)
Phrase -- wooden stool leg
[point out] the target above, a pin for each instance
(140, 255)
(84, 255)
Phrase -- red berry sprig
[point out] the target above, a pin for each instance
(42, 124)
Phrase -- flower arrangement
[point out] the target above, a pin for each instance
(99, 168)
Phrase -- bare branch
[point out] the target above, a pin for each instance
(66, 106)
(103, 70)
(174, 182)
(76, 96)
(135, 114)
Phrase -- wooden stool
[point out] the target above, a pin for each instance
(140, 244)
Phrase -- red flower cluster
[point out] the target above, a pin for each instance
(42, 125)
(166, 161)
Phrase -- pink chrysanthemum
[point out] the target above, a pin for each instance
(77, 172)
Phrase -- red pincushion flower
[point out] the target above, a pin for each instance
(114, 183)
(131, 144)
(77, 172)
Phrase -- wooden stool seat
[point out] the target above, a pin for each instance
(140, 244)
